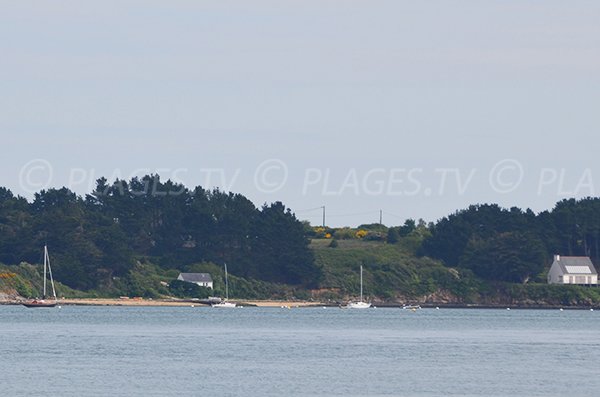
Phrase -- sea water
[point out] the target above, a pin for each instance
(200, 351)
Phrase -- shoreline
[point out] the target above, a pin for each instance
(289, 304)
(169, 302)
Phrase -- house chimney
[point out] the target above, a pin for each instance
(557, 258)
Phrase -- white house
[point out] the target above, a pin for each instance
(572, 270)
(201, 279)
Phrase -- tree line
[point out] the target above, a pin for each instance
(100, 236)
(515, 245)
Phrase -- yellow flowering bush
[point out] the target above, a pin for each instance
(361, 233)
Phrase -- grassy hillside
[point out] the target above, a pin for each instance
(145, 279)
(26, 281)
(391, 272)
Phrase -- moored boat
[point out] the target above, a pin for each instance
(47, 271)
(360, 304)
(39, 303)
(225, 304)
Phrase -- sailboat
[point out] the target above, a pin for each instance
(47, 270)
(360, 304)
(225, 304)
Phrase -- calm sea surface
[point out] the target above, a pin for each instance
(130, 351)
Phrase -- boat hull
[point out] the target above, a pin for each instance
(39, 304)
(358, 305)
(224, 305)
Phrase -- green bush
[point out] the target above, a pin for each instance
(344, 233)
(184, 289)
(393, 236)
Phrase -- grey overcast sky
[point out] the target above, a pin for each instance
(411, 107)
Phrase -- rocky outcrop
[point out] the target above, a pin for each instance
(9, 296)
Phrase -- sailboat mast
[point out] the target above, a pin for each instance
(226, 284)
(51, 278)
(361, 281)
(45, 265)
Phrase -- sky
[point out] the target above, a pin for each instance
(415, 109)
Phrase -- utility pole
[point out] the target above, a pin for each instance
(381, 217)
(323, 216)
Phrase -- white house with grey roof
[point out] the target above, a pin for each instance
(201, 279)
(572, 270)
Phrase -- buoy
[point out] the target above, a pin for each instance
(192, 305)
(60, 307)
(591, 310)
(561, 309)
(508, 308)
(437, 308)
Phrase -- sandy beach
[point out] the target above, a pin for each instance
(171, 302)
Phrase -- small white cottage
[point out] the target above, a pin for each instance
(572, 270)
(201, 279)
